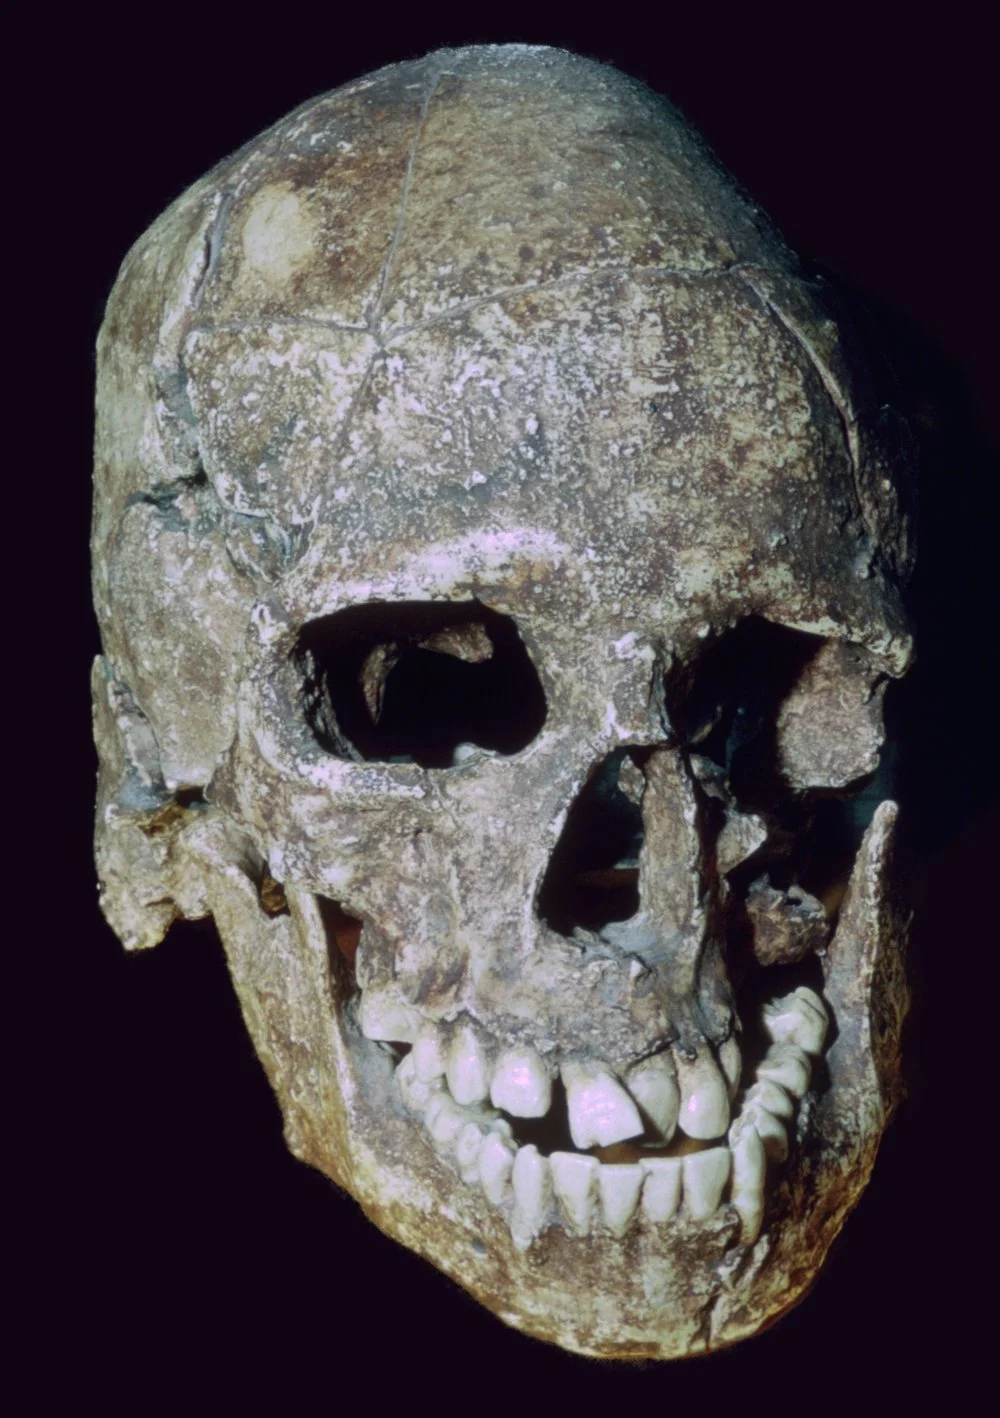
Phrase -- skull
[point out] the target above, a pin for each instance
(498, 556)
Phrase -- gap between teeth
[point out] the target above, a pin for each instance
(582, 1193)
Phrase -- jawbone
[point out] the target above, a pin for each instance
(643, 1276)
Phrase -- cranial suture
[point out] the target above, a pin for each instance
(498, 553)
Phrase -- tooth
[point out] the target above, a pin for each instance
(600, 1111)
(574, 1177)
(772, 1131)
(427, 1054)
(468, 1074)
(496, 1161)
(731, 1063)
(772, 1096)
(704, 1097)
(444, 1119)
(749, 1167)
(521, 1083)
(383, 1017)
(705, 1177)
(620, 1184)
(789, 1066)
(415, 1093)
(653, 1085)
(532, 1184)
(799, 1018)
(661, 1191)
(467, 1150)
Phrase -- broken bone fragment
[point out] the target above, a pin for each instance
(787, 925)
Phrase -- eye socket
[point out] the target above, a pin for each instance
(411, 681)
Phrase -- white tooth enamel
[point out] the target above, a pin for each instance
(749, 1168)
(467, 1150)
(415, 1093)
(772, 1130)
(620, 1184)
(661, 1191)
(600, 1111)
(799, 1018)
(468, 1073)
(789, 1066)
(705, 1177)
(731, 1063)
(496, 1162)
(521, 1083)
(532, 1183)
(704, 1097)
(772, 1096)
(383, 1017)
(574, 1178)
(446, 1121)
(653, 1085)
(427, 1054)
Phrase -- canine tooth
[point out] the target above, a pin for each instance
(789, 1066)
(661, 1190)
(427, 1054)
(467, 1150)
(468, 1074)
(532, 1183)
(620, 1184)
(415, 1093)
(749, 1168)
(521, 1083)
(574, 1177)
(704, 1097)
(383, 1017)
(600, 1111)
(496, 1162)
(731, 1063)
(772, 1096)
(653, 1085)
(799, 1018)
(705, 1177)
(771, 1130)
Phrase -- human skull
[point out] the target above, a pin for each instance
(498, 557)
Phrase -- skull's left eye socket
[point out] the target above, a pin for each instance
(413, 681)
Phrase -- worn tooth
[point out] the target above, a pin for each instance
(521, 1083)
(789, 1066)
(705, 1177)
(771, 1130)
(383, 1017)
(731, 1063)
(600, 1111)
(467, 1150)
(661, 1191)
(749, 1169)
(704, 1097)
(532, 1182)
(574, 1177)
(427, 1053)
(620, 1184)
(772, 1096)
(467, 1068)
(653, 1085)
(496, 1162)
(799, 1018)
(444, 1119)
(413, 1090)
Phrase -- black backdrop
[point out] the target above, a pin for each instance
(177, 1247)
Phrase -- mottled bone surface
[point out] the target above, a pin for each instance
(481, 371)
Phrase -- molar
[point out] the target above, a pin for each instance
(772, 1096)
(383, 1017)
(521, 1083)
(600, 1111)
(799, 1018)
(704, 1097)
(415, 1092)
(789, 1066)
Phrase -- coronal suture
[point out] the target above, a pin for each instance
(499, 554)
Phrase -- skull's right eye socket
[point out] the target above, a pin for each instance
(410, 682)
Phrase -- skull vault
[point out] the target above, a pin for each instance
(499, 558)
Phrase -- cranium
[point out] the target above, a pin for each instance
(498, 558)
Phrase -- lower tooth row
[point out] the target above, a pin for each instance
(587, 1191)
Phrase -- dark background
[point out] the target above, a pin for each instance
(174, 1246)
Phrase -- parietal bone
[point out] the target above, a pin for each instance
(499, 557)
